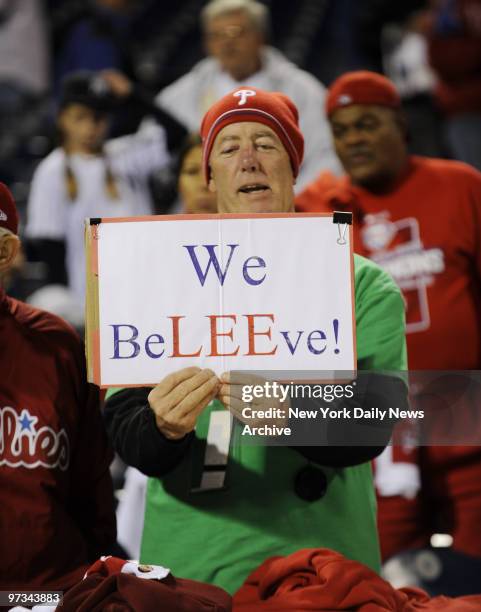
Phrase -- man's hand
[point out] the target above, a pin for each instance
(231, 395)
(178, 400)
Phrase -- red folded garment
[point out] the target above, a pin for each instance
(115, 585)
(323, 580)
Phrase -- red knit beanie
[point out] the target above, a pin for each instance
(273, 109)
(361, 87)
(8, 210)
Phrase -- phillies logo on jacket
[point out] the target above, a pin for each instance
(23, 443)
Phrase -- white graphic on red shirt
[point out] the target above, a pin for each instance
(397, 247)
(23, 445)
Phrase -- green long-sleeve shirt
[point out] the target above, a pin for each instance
(221, 536)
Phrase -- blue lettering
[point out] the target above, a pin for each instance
(153, 339)
(316, 334)
(288, 341)
(131, 340)
(221, 274)
(260, 264)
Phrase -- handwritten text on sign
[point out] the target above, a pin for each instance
(257, 293)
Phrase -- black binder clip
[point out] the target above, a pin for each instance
(342, 219)
(95, 222)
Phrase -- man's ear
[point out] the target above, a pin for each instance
(9, 247)
(402, 123)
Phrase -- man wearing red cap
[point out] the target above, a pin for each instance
(56, 495)
(419, 218)
(273, 500)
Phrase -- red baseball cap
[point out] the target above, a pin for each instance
(361, 87)
(273, 109)
(8, 210)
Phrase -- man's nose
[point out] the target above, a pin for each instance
(249, 161)
(353, 137)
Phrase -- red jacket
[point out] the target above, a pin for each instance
(56, 499)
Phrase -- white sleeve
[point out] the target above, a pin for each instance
(140, 154)
(47, 202)
(319, 153)
(181, 99)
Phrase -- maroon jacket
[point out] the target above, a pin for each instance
(56, 500)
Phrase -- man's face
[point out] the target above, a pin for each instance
(370, 142)
(233, 40)
(251, 170)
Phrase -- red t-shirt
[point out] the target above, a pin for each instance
(427, 233)
(56, 499)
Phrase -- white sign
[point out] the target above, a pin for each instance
(259, 292)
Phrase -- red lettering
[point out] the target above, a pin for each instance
(214, 334)
(175, 336)
(252, 333)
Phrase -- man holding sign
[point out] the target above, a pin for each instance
(216, 521)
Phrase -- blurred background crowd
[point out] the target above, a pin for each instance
(430, 49)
